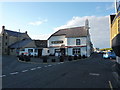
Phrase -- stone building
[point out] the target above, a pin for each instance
(11, 37)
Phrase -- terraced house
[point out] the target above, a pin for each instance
(71, 41)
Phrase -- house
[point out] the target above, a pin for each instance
(16, 43)
(71, 41)
(11, 37)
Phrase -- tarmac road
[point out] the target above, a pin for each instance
(93, 72)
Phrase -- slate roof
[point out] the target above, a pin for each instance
(41, 43)
(20, 44)
(13, 33)
(71, 32)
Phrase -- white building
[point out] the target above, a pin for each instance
(71, 41)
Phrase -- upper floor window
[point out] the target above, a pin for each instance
(78, 42)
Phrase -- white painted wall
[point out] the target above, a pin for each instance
(72, 41)
(57, 38)
(45, 52)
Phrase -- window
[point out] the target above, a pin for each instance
(11, 50)
(30, 50)
(77, 41)
(36, 50)
(6, 37)
(48, 51)
(76, 51)
(6, 43)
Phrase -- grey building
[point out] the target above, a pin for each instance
(11, 37)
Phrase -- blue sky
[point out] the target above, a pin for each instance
(41, 19)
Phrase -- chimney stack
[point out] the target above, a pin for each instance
(3, 27)
(26, 32)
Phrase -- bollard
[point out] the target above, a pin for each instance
(75, 57)
(44, 59)
(70, 58)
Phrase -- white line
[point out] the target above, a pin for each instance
(24, 70)
(95, 74)
(58, 63)
(45, 66)
(49, 65)
(32, 68)
(110, 84)
(38, 67)
(61, 62)
(2, 76)
(14, 73)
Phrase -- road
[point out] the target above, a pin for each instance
(93, 72)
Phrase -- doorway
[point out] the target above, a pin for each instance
(39, 52)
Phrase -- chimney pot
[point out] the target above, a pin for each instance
(26, 32)
(3, 27)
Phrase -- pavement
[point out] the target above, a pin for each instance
(92, 72)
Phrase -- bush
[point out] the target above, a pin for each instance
(26, 58)
(70, 58)
(61, 58)
(53, 60)
(79, 56)
(44, 58)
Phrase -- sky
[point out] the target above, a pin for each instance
(41, 19)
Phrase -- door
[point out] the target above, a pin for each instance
(62, 50)
(39, 52)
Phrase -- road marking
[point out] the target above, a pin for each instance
(49, 65)
(2, 76)
(61, 62)
(39, 67)
(110, 84)
(45, 66)
(24, 70)
(14, 73)
(58, 63)
(94, 74)
(33, 69)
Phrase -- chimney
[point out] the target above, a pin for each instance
(26, 32)
(3, 27)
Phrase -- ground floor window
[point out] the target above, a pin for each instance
(76, 51)
(30, 50)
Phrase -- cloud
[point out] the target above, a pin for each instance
(40, 37)
(99, 29)
(37, 23)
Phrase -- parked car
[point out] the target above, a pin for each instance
(109, 55)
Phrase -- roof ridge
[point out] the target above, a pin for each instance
(13, 31)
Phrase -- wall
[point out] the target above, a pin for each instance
(72, 41)
(57, 38)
